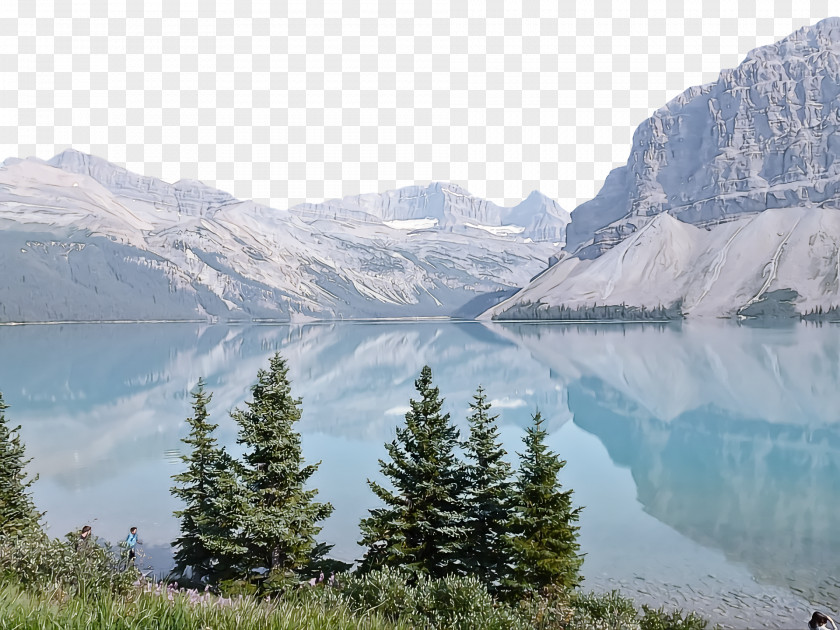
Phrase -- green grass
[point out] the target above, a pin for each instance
(47, 584)
(143, 610)
(317, 608)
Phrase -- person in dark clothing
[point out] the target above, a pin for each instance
(84, 540)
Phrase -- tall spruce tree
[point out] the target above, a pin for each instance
(487, 551)
(421, 526)
(206, 550)
(17, 510)
(279, 516)
(543, 530)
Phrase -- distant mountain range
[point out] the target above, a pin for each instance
(728, 204)
(84, 240)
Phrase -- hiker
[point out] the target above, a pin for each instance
(130, 543)
(819, 621)
(85, 536)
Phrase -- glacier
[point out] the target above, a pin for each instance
(728, 204)
(82, 239)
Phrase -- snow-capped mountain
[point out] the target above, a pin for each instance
(83, 239)
(730, 199)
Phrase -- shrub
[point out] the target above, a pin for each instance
(50, 565)
(451, 602)
(571, 610)
(658, 619)
(565, 609)
(551, 610)
(603, 611)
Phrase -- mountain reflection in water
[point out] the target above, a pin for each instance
(730, 434)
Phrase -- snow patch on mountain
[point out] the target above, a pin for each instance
(501, 230)
(411, 224)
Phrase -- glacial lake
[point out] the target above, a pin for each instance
(706, 454)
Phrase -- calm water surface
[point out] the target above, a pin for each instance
(707, 455)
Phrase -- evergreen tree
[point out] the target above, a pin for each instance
(420, 528)
(543, 530)
(17, 510)
(206, 548)
(487, 552)
(279, 515)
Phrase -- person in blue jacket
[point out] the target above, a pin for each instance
(130, 543)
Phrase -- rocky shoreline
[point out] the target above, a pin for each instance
(721, 601)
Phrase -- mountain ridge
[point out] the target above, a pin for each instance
(764, 137)
(87, 240)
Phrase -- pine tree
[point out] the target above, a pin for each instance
(279, 515)
(487, 552)
(420, 528)
(543, 530)
(206, 548)
(17, 510)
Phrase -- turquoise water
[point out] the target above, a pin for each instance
(700, 451)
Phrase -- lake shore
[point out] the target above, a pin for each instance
(720, 600)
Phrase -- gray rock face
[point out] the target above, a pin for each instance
(764, 135)
(184, 196)
(730, 199)
(452, 207)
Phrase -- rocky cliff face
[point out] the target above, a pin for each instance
(451, 208)
(448, 206)
(184, 197)
(764, 135)
(729, 203)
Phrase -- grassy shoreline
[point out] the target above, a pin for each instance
(175, 611)
(381, 603)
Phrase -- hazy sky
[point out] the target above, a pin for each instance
(290, 101)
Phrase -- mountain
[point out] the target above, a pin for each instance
(728, 203)
(83, 239)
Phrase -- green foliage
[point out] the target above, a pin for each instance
(455, 602)
(278, 515)
(658, 619)
(206, 549)
(605, 611)
(251, 524)
(543, 530)
(486, 552)
(563, 609)
(566, 609)
(550, 610)
(175, 611)
(50, 565)
(320, 563)
(421, 526)
(18, 515)
(604, 312)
